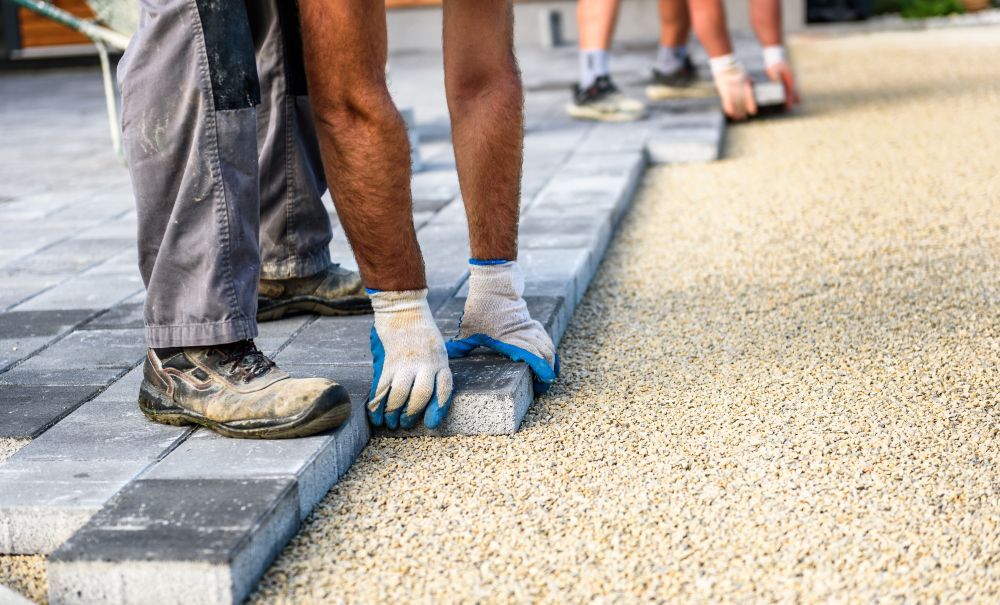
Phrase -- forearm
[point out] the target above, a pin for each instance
(486, 103)
(708, 17)
(363, 142)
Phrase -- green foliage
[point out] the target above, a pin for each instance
(920, 9)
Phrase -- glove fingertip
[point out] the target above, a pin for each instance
(435, 413)
(376, 415)
(392, 418)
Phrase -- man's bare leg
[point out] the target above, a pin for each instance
(675, 23)
(366, 157)
(674, 74)
(486, 103)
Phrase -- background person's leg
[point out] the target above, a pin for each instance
(674, 74)
(595, 97)
(189, 89)
(295, 228)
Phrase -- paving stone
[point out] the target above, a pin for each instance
(13, 350)
(492, 394)
(9, 597)
(315, 462)
(104, 429)
(43, 502)
(91, 289)
(18, 324)
(69, 257)
(684, 138)
(27, 376)
(180, 541)
(126, 315)
(331, 340)
(27, 410)
(769, 94)
(435, 184)
(446, 254)
(86, 349)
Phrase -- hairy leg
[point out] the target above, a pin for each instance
(595, 19)
(709, 20)
(366, 154)
(675, 23)
(486, 103)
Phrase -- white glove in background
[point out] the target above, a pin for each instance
(734, 87)
(410, 362)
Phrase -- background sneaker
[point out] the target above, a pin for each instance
(683, 82)
(602, 101)
(236, 391)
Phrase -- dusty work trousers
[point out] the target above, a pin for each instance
(222, 150)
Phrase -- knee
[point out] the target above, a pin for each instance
(470, 85)
(360, 100)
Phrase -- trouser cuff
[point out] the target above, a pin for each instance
(200, 335)
(296, 266)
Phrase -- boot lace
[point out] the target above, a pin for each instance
(247, 360)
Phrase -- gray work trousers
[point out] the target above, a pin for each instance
(224, 162)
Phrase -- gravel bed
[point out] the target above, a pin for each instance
(782, 385)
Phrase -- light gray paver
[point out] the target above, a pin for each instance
(688, 137)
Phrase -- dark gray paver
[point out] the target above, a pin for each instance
(18, 324)
(22, 376)
(177, 541)
(27, 410)
(127, 315)
(87, 349)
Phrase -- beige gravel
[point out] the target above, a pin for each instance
(25, 575)
(783, 384)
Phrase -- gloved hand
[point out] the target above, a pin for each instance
(411, 373)
(496, 317)
(734, 87)
(778, 70)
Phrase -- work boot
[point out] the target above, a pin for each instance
(236, 391)
(333, 291)
(602, 101)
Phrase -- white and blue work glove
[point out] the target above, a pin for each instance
(411, 374)
(496, 317)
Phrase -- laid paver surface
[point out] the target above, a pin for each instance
(782, 385)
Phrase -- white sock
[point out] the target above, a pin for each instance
(593, 65)
(670, 58)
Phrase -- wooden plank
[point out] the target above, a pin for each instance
(37, 30)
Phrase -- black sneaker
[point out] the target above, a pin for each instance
(236, 391)
(333, 291)
(602, 101)
(682, 82)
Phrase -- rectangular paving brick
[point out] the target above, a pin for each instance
(195, 542)
(42, 503)
(315, 463)
(28, 410)
(331, 340)
(27, 376)
(686, 138)
(18, 324)
(87, 349)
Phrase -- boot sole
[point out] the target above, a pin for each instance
(330, 413)
(315, 305)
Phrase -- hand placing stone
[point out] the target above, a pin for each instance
(496, 317)
(411, 373)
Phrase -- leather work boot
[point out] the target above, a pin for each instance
(333, 291)
(236, 391)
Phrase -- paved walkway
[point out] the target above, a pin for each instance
(87, 477)
(782, 385)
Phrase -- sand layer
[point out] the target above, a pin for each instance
(782, 385)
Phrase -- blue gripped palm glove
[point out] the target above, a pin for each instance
(496, 317)
(411, 374)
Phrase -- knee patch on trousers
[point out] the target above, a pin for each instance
(229, 45)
